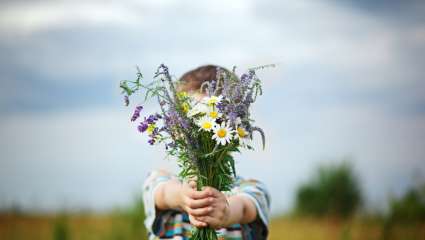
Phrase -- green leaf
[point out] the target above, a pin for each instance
(228, 158)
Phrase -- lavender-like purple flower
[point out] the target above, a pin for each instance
(233, 116)
(147, 121)
(142, 127)
(247, 78)
(212, 87)
(136, 113)
(155, 132)
(184, 123)
(221, 106)
(153, 118)
(241, 110)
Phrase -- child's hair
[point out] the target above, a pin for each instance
(192, 80)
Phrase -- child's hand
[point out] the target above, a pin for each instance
(196, 203)
(208, 207)
(220, 211)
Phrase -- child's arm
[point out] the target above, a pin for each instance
(167, 195)
(207, 207)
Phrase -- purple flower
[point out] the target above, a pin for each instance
(126, 100)
(152, 119)
(233, 116)
(142, 127)
(241, 110)
(248, 99)
(212, 87)
(136, 113)
(151, 141)
(246, 78)
(155, 132)
(184, 123)
(221, 106)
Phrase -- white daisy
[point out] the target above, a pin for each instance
(222, 134)
(206, 123)
(212, 100)
(198, 108)
(213, 113)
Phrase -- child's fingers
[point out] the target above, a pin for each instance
(210, 191)
(205, 192)
(197, 223)
(198, 194)
(199, 203)
(208, 220)
(198, 212)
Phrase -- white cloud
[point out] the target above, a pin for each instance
(26, 18)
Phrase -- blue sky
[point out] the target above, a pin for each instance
(349, 83)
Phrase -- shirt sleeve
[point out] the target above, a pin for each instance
(153, 180)
(258, 193)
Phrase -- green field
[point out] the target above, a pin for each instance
(124, 225)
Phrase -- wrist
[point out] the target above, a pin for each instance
(229, 213)
(178, 195)
(235, 211)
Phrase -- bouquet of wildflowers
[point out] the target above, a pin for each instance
(203, 132)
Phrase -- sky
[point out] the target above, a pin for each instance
(349, 84)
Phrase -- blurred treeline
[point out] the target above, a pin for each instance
(327, 206)
(334, 193)
(333, 190)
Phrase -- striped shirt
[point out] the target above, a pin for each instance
(175, 224)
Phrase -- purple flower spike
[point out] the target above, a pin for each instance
(136, 113)
(221, 106)
(151, 119)
(233, 116)
(142, 127)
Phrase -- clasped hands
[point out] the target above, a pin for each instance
(208, 207)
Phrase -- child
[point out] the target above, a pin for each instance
(173, 207)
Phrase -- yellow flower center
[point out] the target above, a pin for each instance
(221, 133)
(185, 107)
(241, 132)
(212, 101)
(182, 94)
(150, 129)
(213, 114)
(207, 125)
